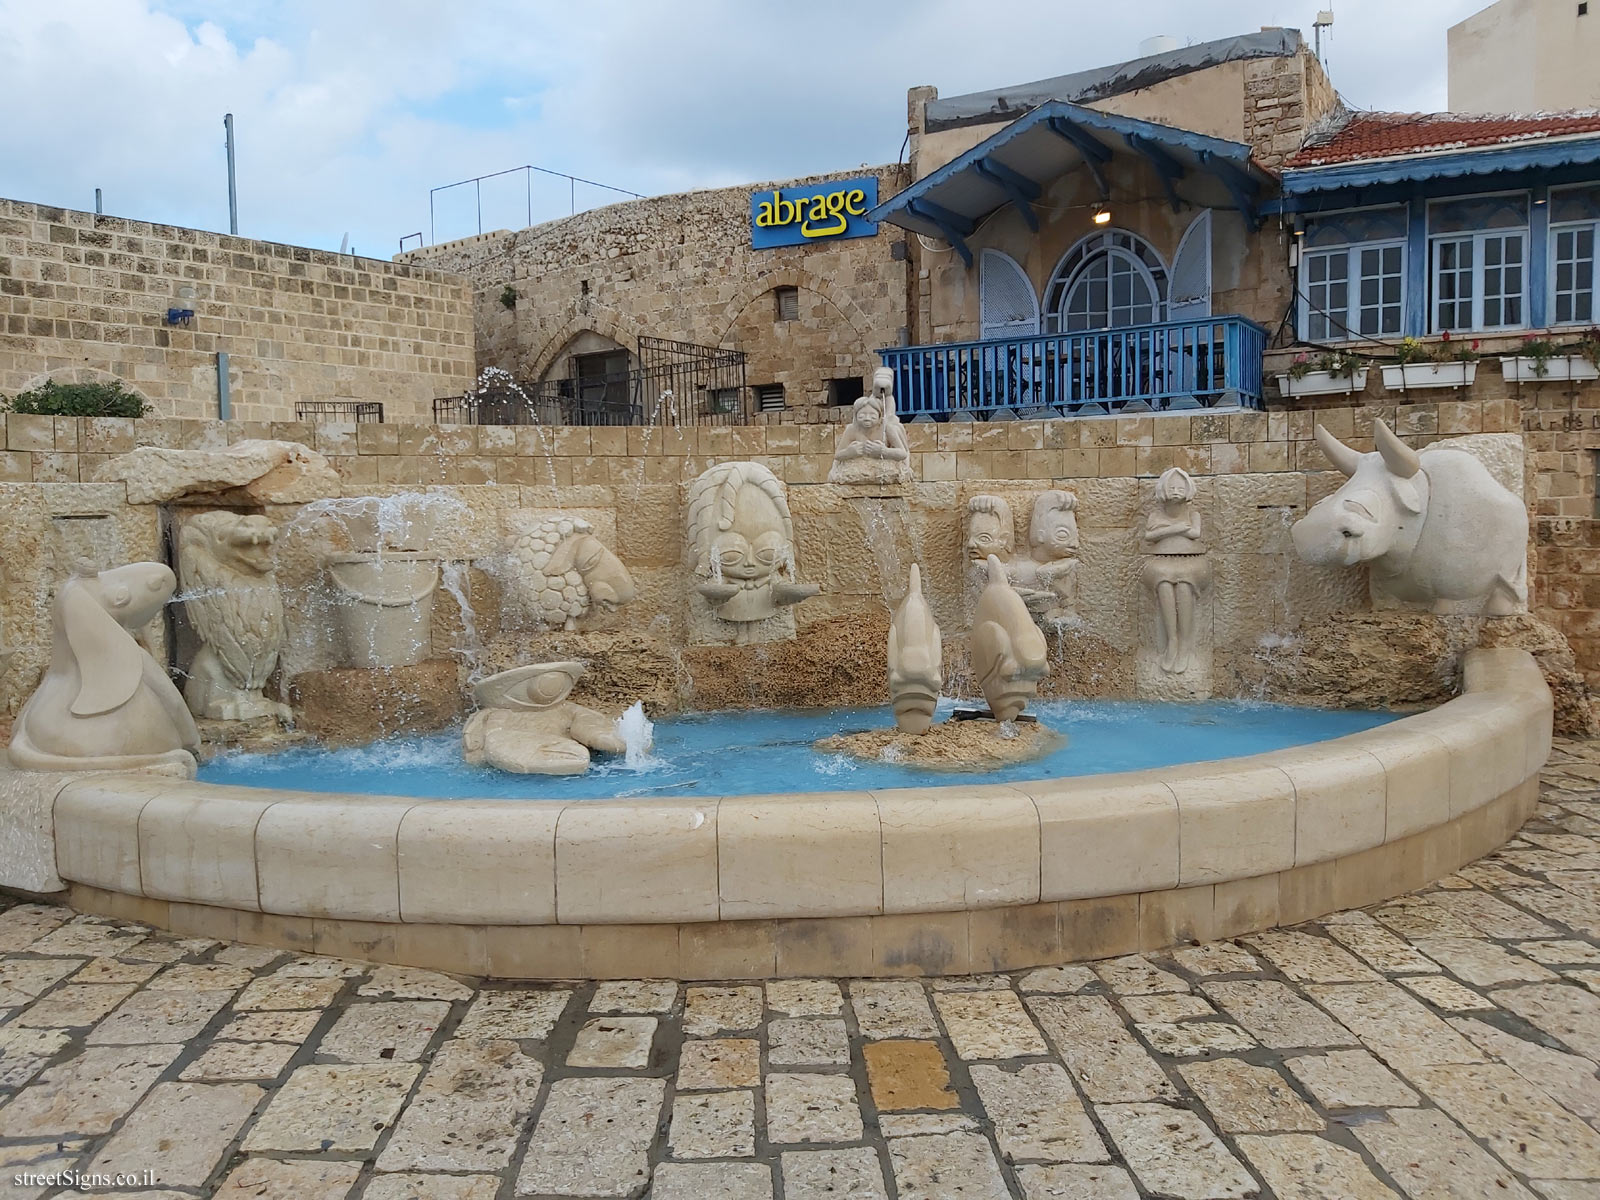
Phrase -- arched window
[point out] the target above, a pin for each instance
(1109, 279)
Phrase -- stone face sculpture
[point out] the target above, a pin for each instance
(558, 570)
(526, 724)
(1176, 571)
(225, 563)
(990, 530)
(742, 539)
(104, 704)
(916, 660)
(1434, 526)
(1047, 579)
(873, 447)
(1008, 651)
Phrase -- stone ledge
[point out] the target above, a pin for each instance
(909, 944)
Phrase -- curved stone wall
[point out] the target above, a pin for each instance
(928, 880)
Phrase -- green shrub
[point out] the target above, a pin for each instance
(78, 400)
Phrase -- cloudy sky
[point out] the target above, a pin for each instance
(349, 111)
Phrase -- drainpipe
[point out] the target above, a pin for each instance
(224, 404)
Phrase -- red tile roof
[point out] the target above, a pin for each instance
(1367, 135)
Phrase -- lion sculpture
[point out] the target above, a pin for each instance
(557, 570)
(230, 592)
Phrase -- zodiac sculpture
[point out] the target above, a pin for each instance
(1176, 571)
(1046, 577)
(104, 704)
(742, 539)
(1008, 651)
(1436, 528)
(558, 570)
(230, 592)
(916, 669)
(873, 447)
(526, 724)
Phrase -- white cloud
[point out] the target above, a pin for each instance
(348, 112)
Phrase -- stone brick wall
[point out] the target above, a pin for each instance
(682, 267)
(85, 297)
(1283, 97)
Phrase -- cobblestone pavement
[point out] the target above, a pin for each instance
(1440, 1045)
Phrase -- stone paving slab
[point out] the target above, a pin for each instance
(1442, 1044)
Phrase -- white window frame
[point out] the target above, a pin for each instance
(1593, 227)
(1350, 320)
(1477, 237)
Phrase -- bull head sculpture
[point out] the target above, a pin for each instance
(1378, 512)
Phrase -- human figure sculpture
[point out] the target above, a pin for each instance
(873, 447)
(1176, 571)
(1047, 579)
(105, 704)
(1437, 529)
(1008, 651)
(916, 660)
(742, 539)
(558, 570)
(230, 593)
(526, 725)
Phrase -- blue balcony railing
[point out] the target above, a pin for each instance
(1212, 362)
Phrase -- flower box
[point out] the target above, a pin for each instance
(1557, 366)
(1406, 377)
(1323, 383)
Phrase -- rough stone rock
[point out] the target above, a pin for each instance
(1575, 715)
(261, 734)
(1393, 659)
(951, 745)
(250, 472)
(1403, 659)
(839, 661)
(355, 705)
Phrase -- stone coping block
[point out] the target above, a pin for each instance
(911, 867)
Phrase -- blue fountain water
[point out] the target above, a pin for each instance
(751, 753)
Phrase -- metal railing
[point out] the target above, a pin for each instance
(360, 411)
(676, 383)
(1209, 362)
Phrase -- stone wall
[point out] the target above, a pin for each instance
(1257, 472)
(85, 297)
(682, 267)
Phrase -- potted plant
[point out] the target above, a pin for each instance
(1541, 358)
(1449, 364)
(1326, 374)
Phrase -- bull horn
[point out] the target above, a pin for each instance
(1400, 458)
(1340, 455)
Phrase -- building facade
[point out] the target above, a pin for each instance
(1525, 56)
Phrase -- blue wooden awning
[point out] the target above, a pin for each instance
(1016, 164)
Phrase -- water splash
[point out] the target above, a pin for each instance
(666, 406)
(637, 732)
(453, 578)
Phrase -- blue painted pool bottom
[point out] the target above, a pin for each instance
(763, 751)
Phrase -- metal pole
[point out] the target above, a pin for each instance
(528, 175)
(572, 197)
(480, 205)
(233, 194)
(98, 210)
(224, 401)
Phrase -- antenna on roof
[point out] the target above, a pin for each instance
(1324, 21)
